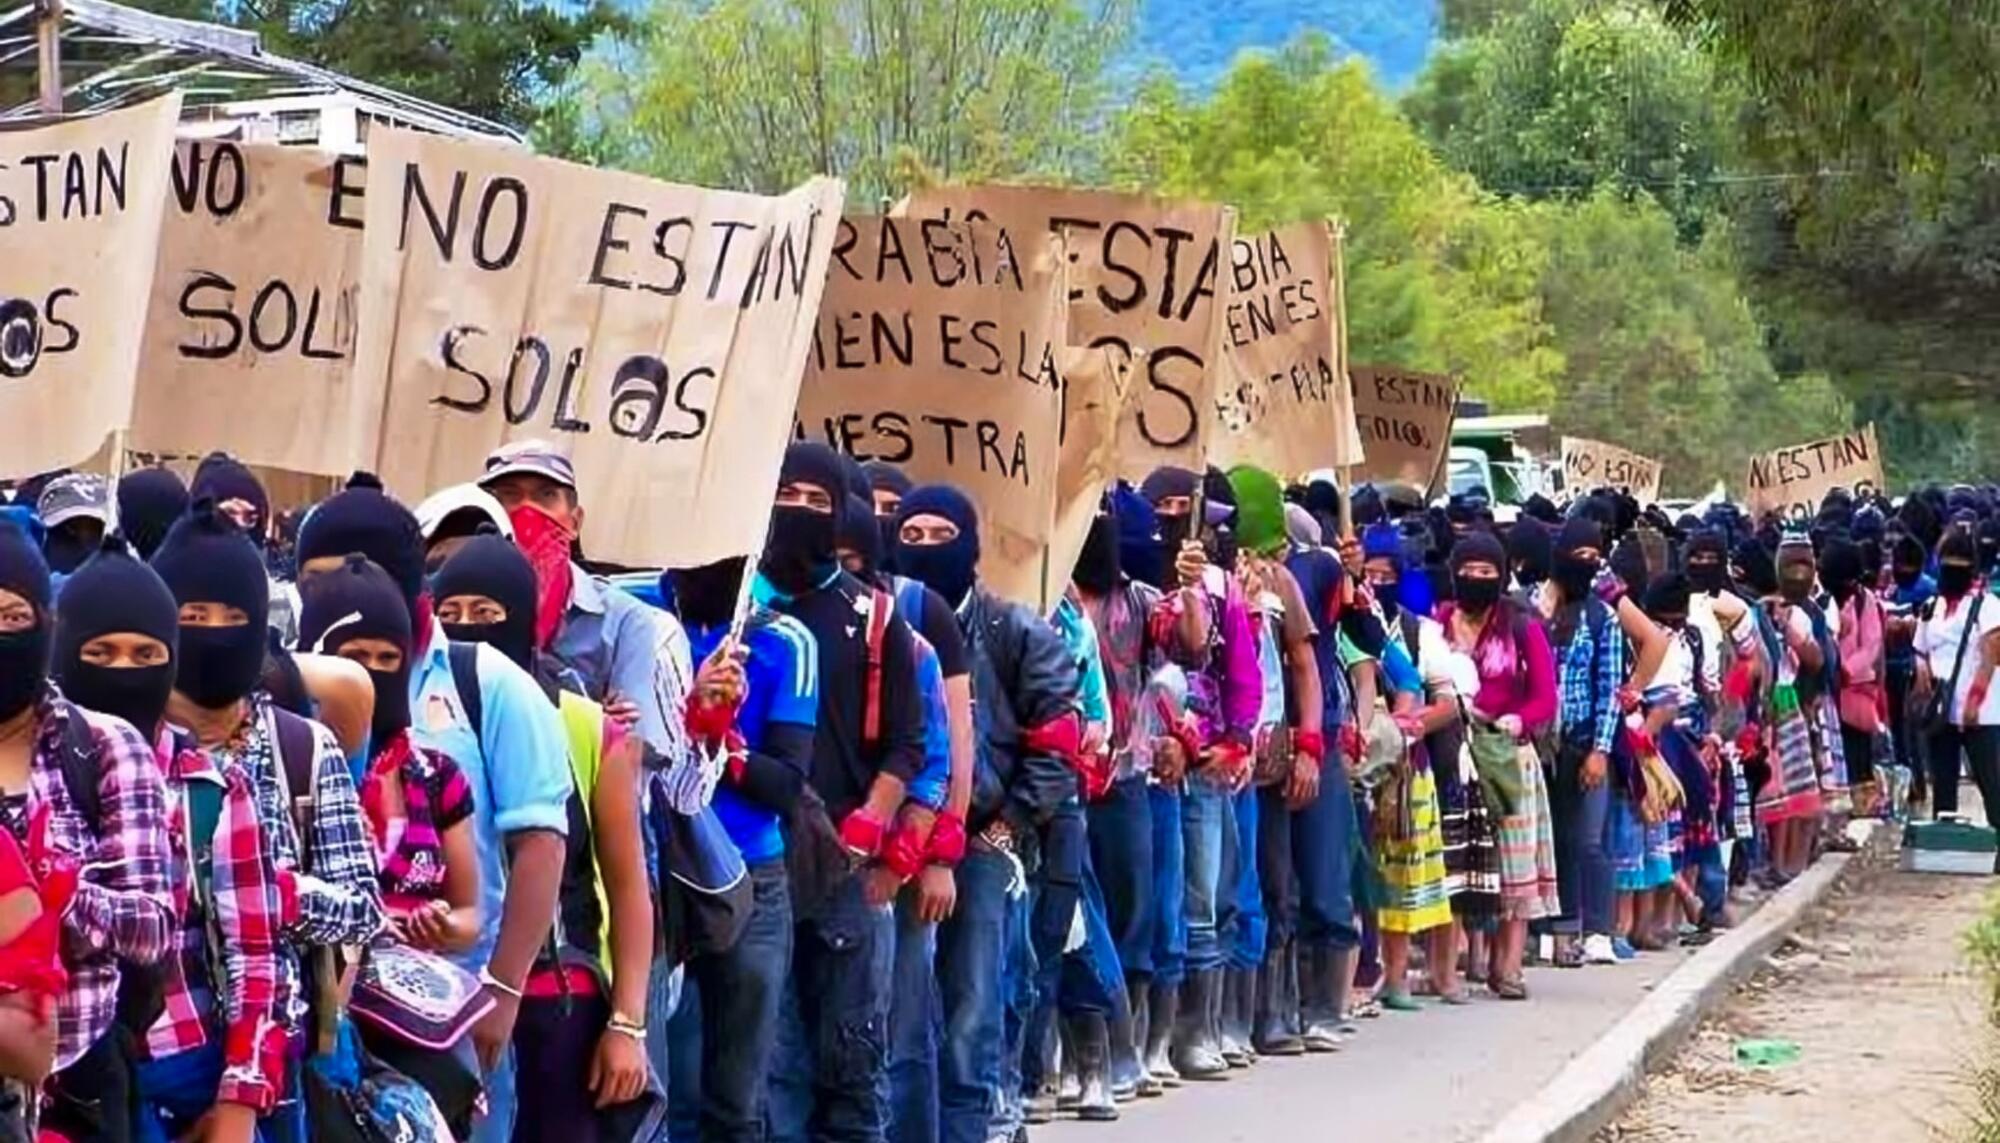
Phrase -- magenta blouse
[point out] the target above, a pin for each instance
(1518, 681)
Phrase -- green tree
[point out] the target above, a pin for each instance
(495, 58)
(760, 94)
(1439, 276)
(1558, 98)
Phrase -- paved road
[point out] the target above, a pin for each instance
(1436, 1076)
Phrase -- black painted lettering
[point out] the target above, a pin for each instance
(273, 289)
(513, 189)
(728, 229)
(1170, 422)
(454, 341)
(1174, 239)
(347, 172)
(675, 259)
(210, 346)
(890, 249)
(883, 329)
(306, 348)
(567, 396)
(606, 243)
(20, 337)
(845, 236)
(1134, 294)
(516, 408)
(638, 396)
(895, 427)
(697, 411)
(444, 231)
(55, 323)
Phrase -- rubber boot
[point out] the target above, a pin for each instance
(1124, 1048)
(1162, 1010)
(1091, 1037)
(1069, 1089)
(1040, 1107)
(1196, 1055)
(1239, 987)
(1141, 993)
(1319, 998)
(1277, 1005)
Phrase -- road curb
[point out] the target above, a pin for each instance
(1602, 1080)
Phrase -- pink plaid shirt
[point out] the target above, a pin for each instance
(246, 920)
(123, 908)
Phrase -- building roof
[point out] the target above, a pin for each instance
(113, 56)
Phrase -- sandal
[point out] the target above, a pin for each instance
(1568, 955)
(1515, 989)
(1457, 999)
(1400, 1002)
(1366, 1008)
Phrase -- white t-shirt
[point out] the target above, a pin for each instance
(1937, 642)
(1788, 659)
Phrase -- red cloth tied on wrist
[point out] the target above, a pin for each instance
(32, 961)
(739, 755)
(1060, 737)
(1351, 743)
(863, 833)
(1749, 741)
(1094, 773)
(1311, 743)
(948, 839)
(709, 722)
(1642, 742)
(1229, 757)
(906, 852)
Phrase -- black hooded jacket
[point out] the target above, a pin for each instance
(1022, 677)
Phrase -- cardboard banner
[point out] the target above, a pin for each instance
(1405, 421)
(1287, 405)
(656, 333)
(1589, 464)
(80, 207)
(936, 351)
(251, 334)
(1793, 481)
(1145, 280)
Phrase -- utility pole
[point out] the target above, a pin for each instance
(48, 54)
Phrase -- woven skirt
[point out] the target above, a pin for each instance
(1471, 851)
(1412, 866)
(1528, 849)
(1793, 791)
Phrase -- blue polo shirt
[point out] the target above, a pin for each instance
(782, 670)
(518, 766)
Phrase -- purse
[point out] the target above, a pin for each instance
(1496, 757)
(1274, 756)
(417, 996)
(1937, 712)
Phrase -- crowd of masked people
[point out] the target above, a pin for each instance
(371, 822)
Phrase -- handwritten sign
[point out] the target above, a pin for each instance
(1405, 421)
(80, 207)
(1589, 464)
(655, 332)
(1288, 405)
(250, 339)
(1793, 481)
(1097, 382)
(936, 351)
(1145, 281)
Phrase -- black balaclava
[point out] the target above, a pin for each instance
(798, 557)
(361, 519)
(24, 655)
(1574, 574)
(1322, 499)
(1628, 562)
(1368, 508)
(1668, 595)
(1907, 560)
(951, 568)
(1140, 552)
(856, 531)
(1097, 565)
(1958, 564)
(206, 558)
(149, 501)
(885, 476)
(221, 478)
(1218, 509)
(113, 593)
(71, 542)
(490, 565)
(1540, 507)
(360, 601)
(1704, 575)
(1532, 551)
(1477, 596)
(706, 596)
(1841, 568)
(1174, 530)
(1757, 572)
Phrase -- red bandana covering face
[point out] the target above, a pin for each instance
(546, 542)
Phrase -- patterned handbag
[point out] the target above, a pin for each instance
(417, 996)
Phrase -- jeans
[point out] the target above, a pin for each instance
(1278, 881)
(1980, 746)
(723, 1037)
(1121, 850)
(828, 1075)
(1019, 990)
(1170, 935)
(1204, 818)
(1326, 835)
(971, 965)
(176, 1091)
(1092, 976)
(1246, 945)
(913, 1028)
(497, 1125)
(1582, 829)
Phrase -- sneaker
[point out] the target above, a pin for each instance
(1598, 949)
(1623, 950)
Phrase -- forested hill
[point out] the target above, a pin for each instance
(1197, 39)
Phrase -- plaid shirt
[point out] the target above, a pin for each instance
(243, 885)
(338, 904)
(123, 907)
(1588, 677)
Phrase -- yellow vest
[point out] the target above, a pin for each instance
(583, 722)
